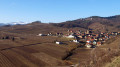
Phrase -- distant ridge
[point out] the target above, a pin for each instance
(103, 24)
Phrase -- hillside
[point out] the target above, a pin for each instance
(94, 22)
(32, 51)
(103, 24)
(32, 28)
(115, 62)
(21, 47)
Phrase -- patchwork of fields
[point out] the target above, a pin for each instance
(33, 51)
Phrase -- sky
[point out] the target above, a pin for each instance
(55, 11)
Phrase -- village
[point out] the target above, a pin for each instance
(88, 39)
(64, 46)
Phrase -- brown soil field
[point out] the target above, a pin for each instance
(29, 50)
(33, 51)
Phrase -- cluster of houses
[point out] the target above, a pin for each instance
(90, 38)
(50, 34)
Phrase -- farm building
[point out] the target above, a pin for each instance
(41, 35)
(58, 42)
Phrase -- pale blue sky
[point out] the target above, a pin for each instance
(55, 10)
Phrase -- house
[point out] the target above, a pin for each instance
(41, 35)
(118, 32)
(100, 39)
(88, 41)
(76, 41)
(115, 33)
(94, 42)
(96, 39)
(58, 42)
(80, 36)
(88, 45)
(49, 34)
(90, 31)
(99, 43)
(71, 36)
